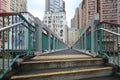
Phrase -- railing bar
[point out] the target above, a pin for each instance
(3, 61)
(19, 36)
(16, 36)
(8, 44)
(11, 26)
(109, 42)
(113, 46)
(118, 34)
(12, 38)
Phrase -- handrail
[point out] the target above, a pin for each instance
(19, 33)
(103, 40)
(11, 26)
(118, 34)
(20, 37)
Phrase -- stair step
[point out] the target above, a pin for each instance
(58, 69)
(50, 64)
(103, 78)
(48, 61)
(65, 74)
(60, 56)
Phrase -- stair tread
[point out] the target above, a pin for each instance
(58, 71)
(61, 69)
(48, 61)
(103, 78)
(60, 56)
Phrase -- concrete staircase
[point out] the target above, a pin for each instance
(63, 67)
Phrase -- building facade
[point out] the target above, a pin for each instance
(109, 10)
(73, 36)
(55, 18)
(89, 8)
(54, 5)
(57, 23)
(80, 16)
(75, 19)
(3, 5)
(11, 6)
(73, 22)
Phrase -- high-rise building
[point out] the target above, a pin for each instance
(89, 8)
(3, 5)
(57, 23)
(54, 5)
(108, 10)
(55, 18)
(64, 6)
(77, 17)
(21, 5)
(75, 20)
(118, 11)
(80, 16)
(11, 6)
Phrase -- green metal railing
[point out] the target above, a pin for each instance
(19, 36)
(106, 41)
(16, 40)
(44, 42)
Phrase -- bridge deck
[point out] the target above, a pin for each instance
(65, 54)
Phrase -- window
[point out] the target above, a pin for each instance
(45, 21)
(61, 21)
(49, 21)
(61, 26)
(61, 16)
(49, 26)
(61, 33)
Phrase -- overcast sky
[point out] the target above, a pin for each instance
(37, 8)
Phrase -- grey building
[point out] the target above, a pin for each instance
(54, 6)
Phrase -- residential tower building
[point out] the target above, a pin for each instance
(55, 18)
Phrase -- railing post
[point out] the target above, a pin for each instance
(100, 42)
(53, 43)
(82, 42)
(92, 38)
(29, 42)
(85, 43)
(39, 26)
(49, 41)
(3, 46)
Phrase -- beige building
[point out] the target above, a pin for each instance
(73, 36)
(3, 5)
